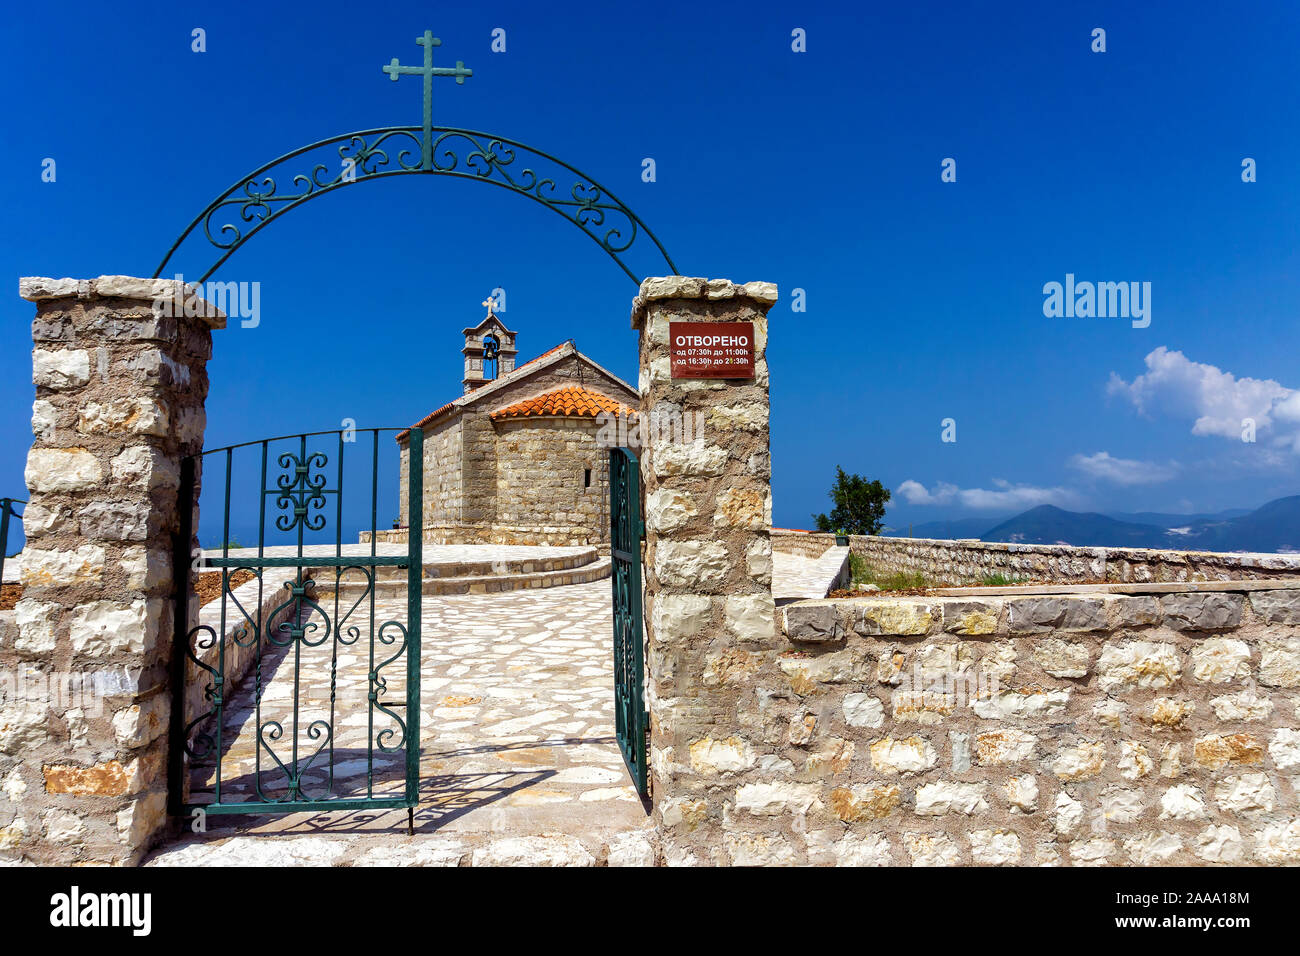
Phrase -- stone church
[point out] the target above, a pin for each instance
(515, 459)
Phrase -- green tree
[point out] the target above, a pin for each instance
(859, 505)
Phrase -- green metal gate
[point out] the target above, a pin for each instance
(282, 691)
(631, 721)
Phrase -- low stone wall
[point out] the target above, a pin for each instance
(970, 562)
(553, 537)
(806, 544)
(386, 536)
(1088, 729)
(239, 657)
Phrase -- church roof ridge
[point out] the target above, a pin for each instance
(550, 356)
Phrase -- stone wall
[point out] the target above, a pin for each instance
(969, 562)
(119, 368)
(1087, 729)
(443, 487)
(442, 475)
(542, 478)
(806, 544)
(265, 601)
(708, 566)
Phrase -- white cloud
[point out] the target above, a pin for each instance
(1003, 496)
(1216, 400)
(1123, 471)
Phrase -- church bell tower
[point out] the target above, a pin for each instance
(489, 350)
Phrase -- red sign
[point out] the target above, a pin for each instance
(711, 349)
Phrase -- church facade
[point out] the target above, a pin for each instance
(519, 457)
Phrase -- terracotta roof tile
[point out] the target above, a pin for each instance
(572, 400)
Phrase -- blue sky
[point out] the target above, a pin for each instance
(817, 170)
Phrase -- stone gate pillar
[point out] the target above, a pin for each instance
(119, 368)
(706, 470)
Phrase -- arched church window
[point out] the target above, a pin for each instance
(491, 347)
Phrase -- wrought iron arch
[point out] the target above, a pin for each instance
(399, 150)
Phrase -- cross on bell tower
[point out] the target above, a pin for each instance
(428, 71)
(486, 344)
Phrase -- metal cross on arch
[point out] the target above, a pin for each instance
(268, 192)
(394, 69)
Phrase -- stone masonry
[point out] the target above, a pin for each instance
(969, 562)
(119, 368)
(708, 567)
(1081, 729)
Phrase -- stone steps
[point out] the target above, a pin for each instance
(492, 568)
(493, 582)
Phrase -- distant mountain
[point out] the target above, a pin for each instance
(1048, 524)
(1273, 527)
(1163, 520)
(951, 530)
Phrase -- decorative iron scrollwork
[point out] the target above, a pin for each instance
(258, 198)
(299, 490)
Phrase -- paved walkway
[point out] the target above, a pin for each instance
(795, 577)
(519, 763)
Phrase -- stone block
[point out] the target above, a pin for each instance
(1037, 615)
(973, 618)
(1136, 611)
(1062, 658)
(1080, 762)
(36, 288)
(125, 416)
(109, 779)
(863, 710)
(1279, 661)
(140, 724)
(894, 617)
(1277, 607)
(103, 628)
(744, 508)
(860, 802)
(942, 797)
(52, 470)
(118, 520)
(79, 566)
(813, 623)
(695, 459)
(668, 509)
(713, 757)
(751, 617)
(1129, 664)
(671, 287)
(60, 370)
(679, 617)
(1218, 660)
(742, 416)
(905, 756)
(146, 468)
(692, 564)
(1208, 611)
